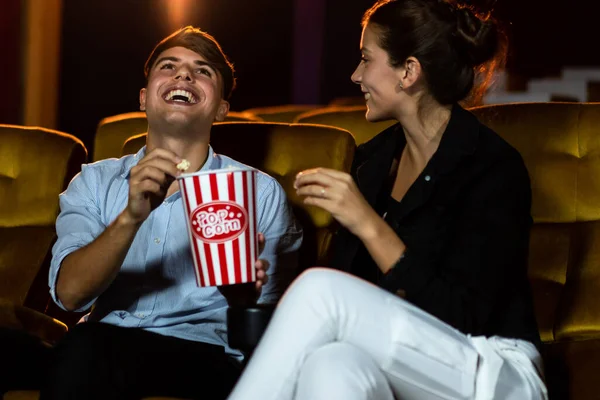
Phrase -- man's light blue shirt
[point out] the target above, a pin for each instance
(156, 288)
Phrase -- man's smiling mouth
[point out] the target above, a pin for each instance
(180, 96)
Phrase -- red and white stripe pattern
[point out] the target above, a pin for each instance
(231, 261)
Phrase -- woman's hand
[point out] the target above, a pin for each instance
(336, 192)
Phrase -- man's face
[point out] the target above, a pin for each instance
(183, 88)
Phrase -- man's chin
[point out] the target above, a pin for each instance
(182, 118)
(173, 122)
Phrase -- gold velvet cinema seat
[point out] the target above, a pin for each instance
(114, 130)
(350, 118)
(285, 113)
(36, 164)
(560, 143)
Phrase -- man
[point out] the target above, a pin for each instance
(123, 247)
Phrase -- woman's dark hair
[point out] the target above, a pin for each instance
(451, 42)
(202, 43)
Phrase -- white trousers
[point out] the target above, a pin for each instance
(334, 336)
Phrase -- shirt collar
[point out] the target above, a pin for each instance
(212, 161)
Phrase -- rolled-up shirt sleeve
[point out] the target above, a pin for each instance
(77, 225)
(283, 237)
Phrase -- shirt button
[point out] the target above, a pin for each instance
(157, 240)
(427, 178)
(140, 315)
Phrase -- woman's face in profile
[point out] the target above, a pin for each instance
(378, 80)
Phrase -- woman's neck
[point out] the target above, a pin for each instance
(423, 129)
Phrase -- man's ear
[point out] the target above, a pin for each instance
(143, 99)
(222, 111)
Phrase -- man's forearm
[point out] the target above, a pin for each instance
(87, 272)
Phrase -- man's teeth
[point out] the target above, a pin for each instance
(367, 96)
(180, 95)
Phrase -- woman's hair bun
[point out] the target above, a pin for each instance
(478, 38)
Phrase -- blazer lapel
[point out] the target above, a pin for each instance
(374, 162)
(370, 168)
(459, 139)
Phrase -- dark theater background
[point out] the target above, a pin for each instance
(285, 51)
(67, 65)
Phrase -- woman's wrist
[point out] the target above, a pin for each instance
(370, 228)
(382, 242)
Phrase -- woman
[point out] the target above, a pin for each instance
(436, 220)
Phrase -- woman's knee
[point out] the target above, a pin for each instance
(313, 285)
(340, 370)
(315, 280)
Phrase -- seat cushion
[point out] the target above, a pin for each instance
(22, 253)
(22, 395)
(35, 323)
(572, 369)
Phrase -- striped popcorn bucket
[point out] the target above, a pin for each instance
(220, 209)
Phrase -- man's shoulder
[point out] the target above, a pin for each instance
(109, 167)
(101, 176)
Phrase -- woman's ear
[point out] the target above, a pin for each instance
(410, 73)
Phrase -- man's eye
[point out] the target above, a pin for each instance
(167, 66)
(204, 71)
(363, 59)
